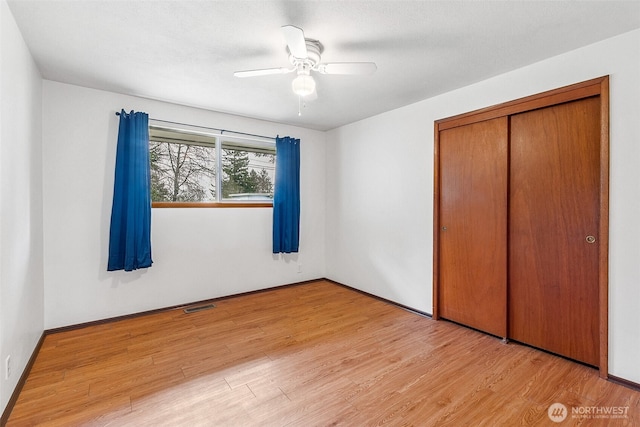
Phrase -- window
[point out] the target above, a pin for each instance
(192, 168)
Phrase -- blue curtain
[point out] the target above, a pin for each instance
(130, 234)
(286, 197)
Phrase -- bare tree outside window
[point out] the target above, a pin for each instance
(182, 172)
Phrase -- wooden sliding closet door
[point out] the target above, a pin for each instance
(473, 219)
(553, 228)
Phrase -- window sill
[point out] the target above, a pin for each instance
(212, 204)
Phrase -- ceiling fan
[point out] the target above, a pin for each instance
(304, 55)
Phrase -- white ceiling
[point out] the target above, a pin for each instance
(186, 51)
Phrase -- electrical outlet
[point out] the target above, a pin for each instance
(299, 267)
(7, 367)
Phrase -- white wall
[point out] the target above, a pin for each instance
(198, 253)
(380, 187)
(21, 265)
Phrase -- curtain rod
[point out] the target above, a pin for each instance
(209, 128)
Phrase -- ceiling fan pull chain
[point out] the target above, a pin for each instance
(299, 103)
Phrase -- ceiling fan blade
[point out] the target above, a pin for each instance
(263, 72)
(356, 68)
(294, 37)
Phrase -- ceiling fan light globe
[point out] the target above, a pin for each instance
(303, 85)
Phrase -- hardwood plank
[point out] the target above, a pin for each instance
(318, 354)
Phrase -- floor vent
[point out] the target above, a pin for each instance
(198, 308)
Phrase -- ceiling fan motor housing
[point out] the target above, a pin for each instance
(314, 50)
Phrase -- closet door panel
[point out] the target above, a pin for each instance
(473, 219)
(553, 228)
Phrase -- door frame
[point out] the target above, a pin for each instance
(594, 87)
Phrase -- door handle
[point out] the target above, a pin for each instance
(590, 239)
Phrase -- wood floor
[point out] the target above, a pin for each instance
(311, 355)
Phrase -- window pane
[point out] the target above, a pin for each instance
(182, 172)
(247, 173)
(185, 167)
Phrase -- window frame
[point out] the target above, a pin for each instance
(220, 140)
